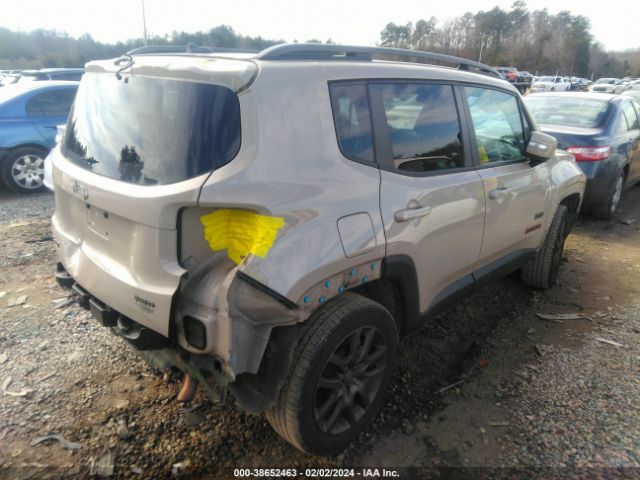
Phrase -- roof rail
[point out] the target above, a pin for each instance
(189, 48)
(318, 51)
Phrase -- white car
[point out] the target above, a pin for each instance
(551, 84)
(608, 85)
(48, 169)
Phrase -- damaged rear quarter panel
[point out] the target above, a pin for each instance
(288, 144)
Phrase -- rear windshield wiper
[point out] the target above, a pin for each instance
(124, 58)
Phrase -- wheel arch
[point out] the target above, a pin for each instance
(396, 290)
(37, 146)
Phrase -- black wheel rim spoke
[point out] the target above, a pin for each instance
(350, 380)
(366, 345)
(354, 344)
(330, 383)
(335, 414)
(326, 407)
(376, 355)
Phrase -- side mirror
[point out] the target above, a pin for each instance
(541, 146)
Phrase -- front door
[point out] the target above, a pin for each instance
(517, 194)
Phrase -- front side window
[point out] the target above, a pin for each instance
(55, 103)
(497, 122)
(352, 120)
(423, 125)
(152, 131)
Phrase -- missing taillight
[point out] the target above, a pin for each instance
(590, 154)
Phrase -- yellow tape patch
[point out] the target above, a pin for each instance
(241, 232)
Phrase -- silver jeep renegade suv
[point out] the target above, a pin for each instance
(272, 224)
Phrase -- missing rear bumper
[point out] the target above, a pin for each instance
(155, 348)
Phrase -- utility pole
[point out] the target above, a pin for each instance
(144, 23)
(481, 45)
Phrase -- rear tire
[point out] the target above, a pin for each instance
(607, 210)
(23, 170)
(341, 369)
(542, 271)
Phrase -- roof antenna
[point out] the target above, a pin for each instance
(144, 23)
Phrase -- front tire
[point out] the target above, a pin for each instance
(342, 367)
(23, 170)
(542, 271)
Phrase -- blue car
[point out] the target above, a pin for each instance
(602, 131)
(29, 114)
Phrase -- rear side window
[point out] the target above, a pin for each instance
(55, 103)
(352, 120)
(497, 122)
(631, 117)
(152, 131)
(423, 125)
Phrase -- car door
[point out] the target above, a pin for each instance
(431, 197)
(516, 192)
(633, 137)
(46, 110)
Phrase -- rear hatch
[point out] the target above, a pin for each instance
(138, 146)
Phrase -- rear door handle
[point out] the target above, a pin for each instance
(499, 192)
(411, 213)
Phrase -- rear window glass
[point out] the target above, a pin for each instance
(573, 112)
(152, 131)
(353, 123)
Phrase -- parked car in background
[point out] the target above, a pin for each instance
(48, 166)
(633, 93)
(628, 81)
(551, 84)
(524, 76)
(29, 115)
(608, 85)
(510, 74)
(603, 133)
(10, 77)
(71, 74)
(580, 84)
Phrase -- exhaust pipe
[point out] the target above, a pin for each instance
(188, 390)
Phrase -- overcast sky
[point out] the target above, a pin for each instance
(614, 22)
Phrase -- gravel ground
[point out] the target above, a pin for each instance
(537, 397)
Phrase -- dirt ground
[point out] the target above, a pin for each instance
(530, 397)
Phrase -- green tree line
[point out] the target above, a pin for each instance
(46, 48)
(536, 41)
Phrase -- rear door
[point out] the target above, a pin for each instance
(432, 199)
(46, 110)
(516, 193)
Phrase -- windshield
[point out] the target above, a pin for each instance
(152, 131)
(606, 80)
(574, 112)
